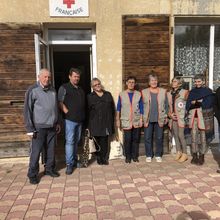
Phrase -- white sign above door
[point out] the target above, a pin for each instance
(69, 8)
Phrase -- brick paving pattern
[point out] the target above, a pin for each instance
(162, 191)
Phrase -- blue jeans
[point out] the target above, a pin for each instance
(148, 139)
(72, 136)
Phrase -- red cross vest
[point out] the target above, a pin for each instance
(130, 112)
(200, 119)
(179, 107)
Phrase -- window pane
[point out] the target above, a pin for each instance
(63, 35)
(216, 72)
(191, 49)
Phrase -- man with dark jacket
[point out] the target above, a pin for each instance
(41, 122)
(72, 103)
(217, 112)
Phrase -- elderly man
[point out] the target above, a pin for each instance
(41, 122)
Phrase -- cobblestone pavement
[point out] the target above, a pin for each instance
(163, 191)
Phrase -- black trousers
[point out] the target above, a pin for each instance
(45, 138)
(131, 143)
(102, 141)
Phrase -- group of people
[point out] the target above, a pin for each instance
(152, 108)
(43, 120)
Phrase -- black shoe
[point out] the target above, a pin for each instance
(194, 159)
(127, 160)
(105, 162)
(33, 180)
(99, 161)
(201, 159)
(69, 169)
(75, 164)
(136, 160)
(52, 173)
(218, 171)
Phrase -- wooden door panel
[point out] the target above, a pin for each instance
(17, 73)
(146, 48)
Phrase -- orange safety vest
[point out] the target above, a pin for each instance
(130, 112)
(161, 97)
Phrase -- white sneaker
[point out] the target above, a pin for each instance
(148, 159)
(158, 159)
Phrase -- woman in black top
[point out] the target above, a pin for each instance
(101, 118)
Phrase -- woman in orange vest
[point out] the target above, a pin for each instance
(199, 111)
(177, 102)
(129, 118)
(155, 117)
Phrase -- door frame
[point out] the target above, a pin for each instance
(49, 45)
(62, 26)
(38, 41)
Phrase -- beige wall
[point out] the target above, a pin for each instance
(107, 15)
(196, 7)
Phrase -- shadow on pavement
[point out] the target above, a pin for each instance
(194, 215)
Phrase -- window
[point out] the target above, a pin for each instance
(194, 53)
(76, 34)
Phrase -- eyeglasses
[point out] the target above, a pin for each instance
(98, 84)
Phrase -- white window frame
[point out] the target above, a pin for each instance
(38, 41)
(211, 55)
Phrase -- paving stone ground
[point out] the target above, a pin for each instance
(163, 191)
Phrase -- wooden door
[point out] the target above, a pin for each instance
(17, 72)
(146, 48)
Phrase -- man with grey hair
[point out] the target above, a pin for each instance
(41, 122)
